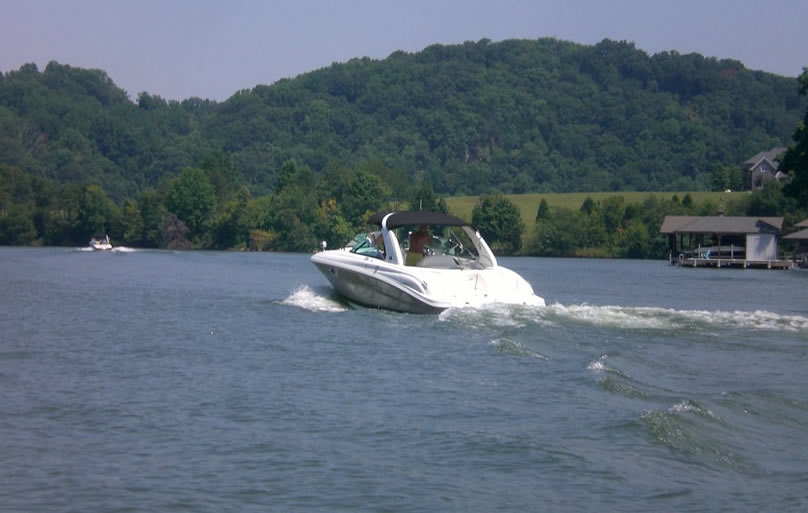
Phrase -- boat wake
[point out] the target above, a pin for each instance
(557, 315)
(655, 318)
(116, 249)
(625, 318)
(306, 298)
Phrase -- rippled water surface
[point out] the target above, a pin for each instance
(199, 381)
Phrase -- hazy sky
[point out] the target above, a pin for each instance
(213, 48)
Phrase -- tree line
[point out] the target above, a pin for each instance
(195, 211)
(202, 208)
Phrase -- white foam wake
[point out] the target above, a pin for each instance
(598, 365)
(304, 297)
(616, 316)
(116, 249)
(686, 406)
(656, 318)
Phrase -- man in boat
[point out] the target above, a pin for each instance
(378, 241)
(415, 253)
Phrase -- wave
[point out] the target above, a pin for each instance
(693, 429)
(512, 348)
(618, 382)
(306, 298)
(689, 406)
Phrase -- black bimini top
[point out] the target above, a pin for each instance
(397, 219)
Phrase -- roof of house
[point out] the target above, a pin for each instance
(721, 224)
(802, 224)
(770, 155)
(800, 235)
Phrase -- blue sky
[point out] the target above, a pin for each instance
(211, 49)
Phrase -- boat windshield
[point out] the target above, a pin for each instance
(447, 246)
(369, 244)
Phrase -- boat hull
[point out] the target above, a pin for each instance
(375, 283)
(368, 290)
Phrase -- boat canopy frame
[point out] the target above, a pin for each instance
(393, 220)
(390, 220)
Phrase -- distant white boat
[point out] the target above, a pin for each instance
(102, 244)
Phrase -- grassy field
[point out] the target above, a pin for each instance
(528, 204)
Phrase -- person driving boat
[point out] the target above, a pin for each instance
(418, 239)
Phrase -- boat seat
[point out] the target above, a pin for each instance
(439, 262)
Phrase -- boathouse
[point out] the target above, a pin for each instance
(800, 238)
(724, 241)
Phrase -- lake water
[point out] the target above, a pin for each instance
(142, 381)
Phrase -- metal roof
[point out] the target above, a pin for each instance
(419, 217)
(800, 235)
(721, 224)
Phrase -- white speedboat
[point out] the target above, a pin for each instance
(455, 267)
(101, 244)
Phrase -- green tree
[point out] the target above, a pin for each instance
(223, 176)
(192, 198)
(152, 213)
(500, 223)
(588, 205)
(17, 227)
(795, 161)
(768, 200)
(288, 173)
(229, 227)
(132, 223)
(613, 210)
(721, 177)
(559, 236)
(594, 228)
(423, 197)
(97, 214)
(543, 211)
(330, 226)
(366, 194)
(634, 242)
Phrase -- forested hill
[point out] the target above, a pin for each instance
(516, 116)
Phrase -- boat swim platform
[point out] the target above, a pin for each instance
(734, 263)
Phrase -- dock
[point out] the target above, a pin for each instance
(733, 263)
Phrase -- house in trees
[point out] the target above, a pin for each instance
(764, 166)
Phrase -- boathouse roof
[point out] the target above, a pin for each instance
(800, 235)
(721, 224)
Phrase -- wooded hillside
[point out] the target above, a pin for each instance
(514, 116)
